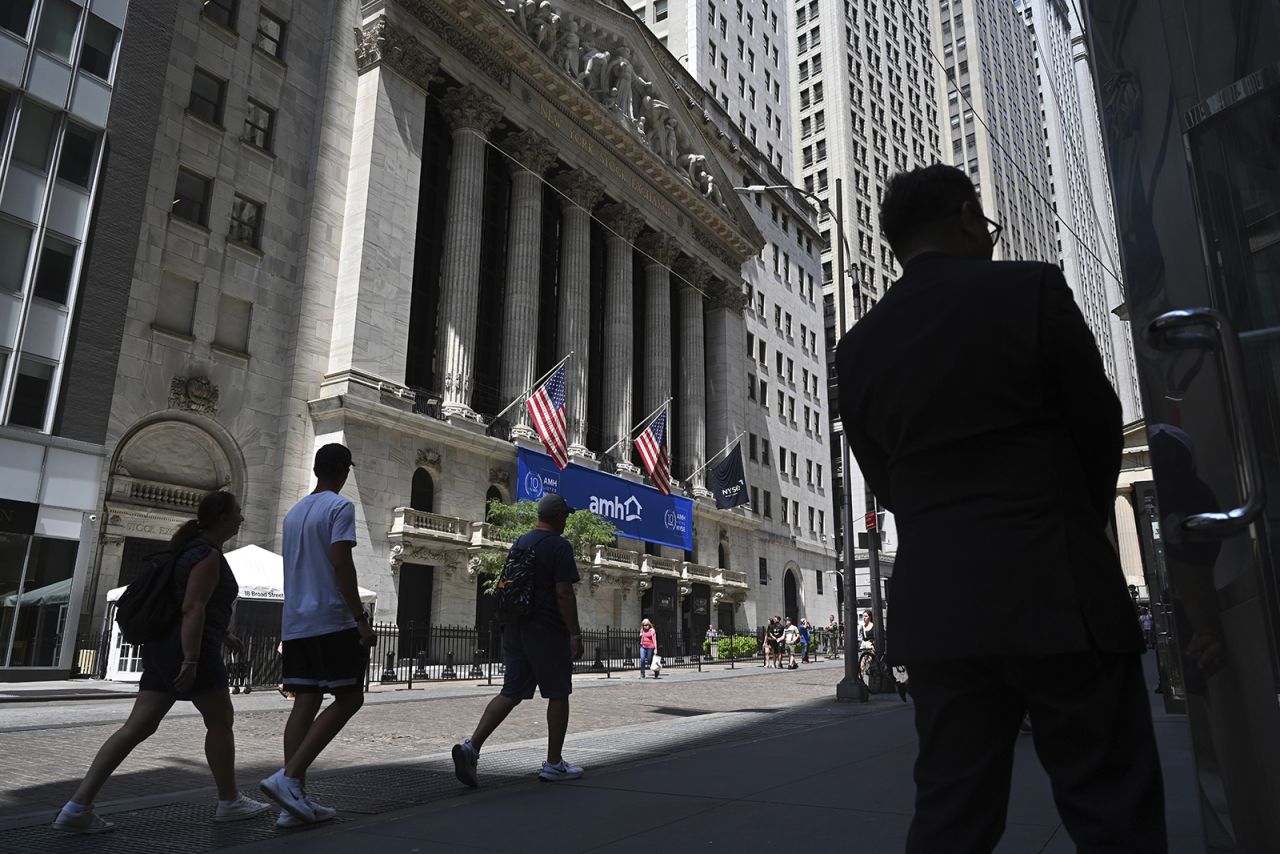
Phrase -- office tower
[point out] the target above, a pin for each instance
(57, 72)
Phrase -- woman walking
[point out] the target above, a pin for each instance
(648, 648)
(187, 664)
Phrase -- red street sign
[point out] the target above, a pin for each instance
(871, 521)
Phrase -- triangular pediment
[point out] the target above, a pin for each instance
(610, 58)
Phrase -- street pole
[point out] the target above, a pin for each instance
(850, 687)
(873, 564)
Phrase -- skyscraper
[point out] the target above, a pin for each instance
(1079, 185)
(738, 51)
(988, 60)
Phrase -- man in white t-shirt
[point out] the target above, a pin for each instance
(324, 629)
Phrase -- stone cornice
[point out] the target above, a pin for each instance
(441, 20)
(490, 22)
(381, 42)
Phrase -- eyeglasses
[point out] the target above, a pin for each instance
(994, 229)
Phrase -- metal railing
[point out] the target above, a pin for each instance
(405, 655)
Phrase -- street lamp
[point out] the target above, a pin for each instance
(851, 686)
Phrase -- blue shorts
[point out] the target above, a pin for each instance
(536, 656)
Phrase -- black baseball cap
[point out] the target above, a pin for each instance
(552, 504)
(333, 457)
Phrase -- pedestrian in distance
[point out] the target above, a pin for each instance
(791, 642)
(867, 632)
(648, 647)
(773, 637)
(537, 652)
(186, 664)
(833, 635)
(990, 418)
(325, 630)
(804, 640)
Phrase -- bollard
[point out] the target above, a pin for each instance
(628, 663)
(420, 671)
(476, 671)
(448, 667)
(389, 674)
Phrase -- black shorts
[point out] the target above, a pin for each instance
(335, 663)
(535, 656)
(162, 660)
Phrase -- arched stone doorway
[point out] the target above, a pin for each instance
(422, 496)
(493, 494)
(161, 470)
(791, 596)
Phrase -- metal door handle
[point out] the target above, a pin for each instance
(1186, 328)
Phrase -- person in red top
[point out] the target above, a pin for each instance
(648, 647)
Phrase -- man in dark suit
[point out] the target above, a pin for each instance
(976, 404)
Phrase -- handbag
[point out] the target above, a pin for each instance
(656, 666)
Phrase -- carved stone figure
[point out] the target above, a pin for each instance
(544, 25)
(693, 166)
(670, 151)
(194, 394)
(594, 74)
(709, 189)
(622, 74)
(570, 53)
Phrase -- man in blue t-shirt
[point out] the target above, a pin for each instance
(538, 652)
(324, 629)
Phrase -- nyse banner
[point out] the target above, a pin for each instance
(637, 511)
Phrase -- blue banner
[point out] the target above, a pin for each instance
(637, 511)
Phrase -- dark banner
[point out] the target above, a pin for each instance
(729, 480)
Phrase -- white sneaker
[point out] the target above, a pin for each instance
(322, 813)
(288, 796)
(85, 822)
(555, 773)
(241, 808)
(465, 761)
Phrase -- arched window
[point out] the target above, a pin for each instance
(493, 494)
(423, 495)
(724, 556)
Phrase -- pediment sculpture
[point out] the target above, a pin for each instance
(602, 64)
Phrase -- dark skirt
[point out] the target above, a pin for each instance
(162, 661)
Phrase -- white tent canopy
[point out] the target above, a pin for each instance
(260, 574)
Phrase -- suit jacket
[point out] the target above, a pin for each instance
(976, 404)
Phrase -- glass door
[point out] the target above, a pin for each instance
(1189, 92)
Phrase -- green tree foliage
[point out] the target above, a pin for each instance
(508, 522)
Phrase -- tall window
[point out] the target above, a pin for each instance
(57, 31)
(764, 566)
(79, 147)
(222, 11)
(53, 275)
(191, 197)
(34, 142)
(15, 243)
(259, 125)
(15, 16)
(208, 97)
(659, 10)
(99, 48)
(271, 31)
(246, 222)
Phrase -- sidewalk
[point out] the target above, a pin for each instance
(848, 788)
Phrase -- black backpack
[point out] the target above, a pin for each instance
(514, 593)
(148, 608)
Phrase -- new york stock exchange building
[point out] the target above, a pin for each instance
(473, 192)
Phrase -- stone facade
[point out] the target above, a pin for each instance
(460, 193)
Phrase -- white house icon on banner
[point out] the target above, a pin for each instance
(633, 509)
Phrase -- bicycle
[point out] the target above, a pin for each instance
(878, 675)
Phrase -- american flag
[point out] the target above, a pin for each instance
(546, 408)
(653, 451)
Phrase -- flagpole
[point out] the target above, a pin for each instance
(530, 389)
(632, 431)
(718, 453)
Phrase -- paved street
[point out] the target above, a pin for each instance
(745, 760)
(394, 725)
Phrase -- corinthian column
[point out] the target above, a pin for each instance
(694, 276)
(471, 115)
(534, 154)
(624, 223)
(659, 251)
(581, 192)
